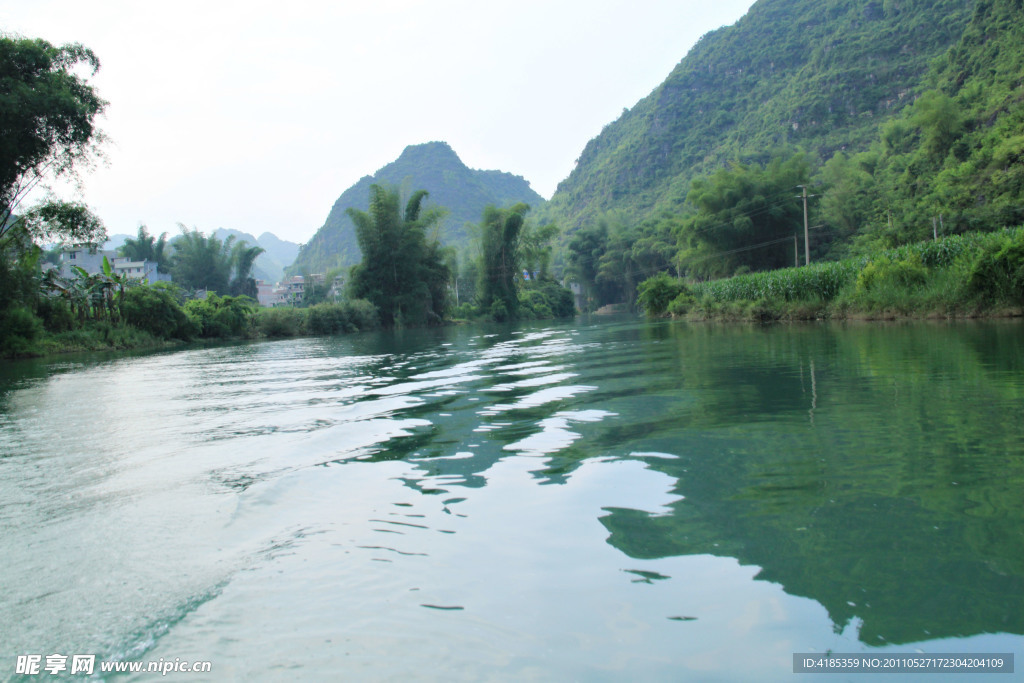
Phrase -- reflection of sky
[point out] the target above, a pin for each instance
(555, 434)
(540, 590)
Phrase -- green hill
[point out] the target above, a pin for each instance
(434, 167)
(958, 153)
(819, 75)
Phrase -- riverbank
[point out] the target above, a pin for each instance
(978, 275)
(92, 336)
(158, 317)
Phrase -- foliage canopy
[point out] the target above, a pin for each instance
(47, 116)
(403, 273)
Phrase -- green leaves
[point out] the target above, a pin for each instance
(201, 262)
(402, 272)
(65, 223)
(817, 281)
(146, 247)
(47, 115)
(745, 216)
(657, 292)
(501, 260)
(813, 74)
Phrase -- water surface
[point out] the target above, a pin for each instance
(605, 500)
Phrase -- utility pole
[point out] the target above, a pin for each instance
(807, 247)
(796, 253)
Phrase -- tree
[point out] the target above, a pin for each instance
(746, 217)
(146, 247)
(155, 309)
(501, 260)
(587, 249)
(201, 262)
(55, 222)
(847, 202)
(940, 120)
(242, 258)
(536, 249)
(318, 288)
(617, 269)
(47, 117)
(402, 273)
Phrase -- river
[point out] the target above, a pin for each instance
(607, 499)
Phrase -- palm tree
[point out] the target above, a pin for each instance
(243, 257)
(201, 262)
(146, 248)
(402, 272)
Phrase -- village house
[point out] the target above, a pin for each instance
(91, 261)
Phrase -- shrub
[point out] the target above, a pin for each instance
(156, 311)
(465, 311)
(362, 314)
(281, 322)
(323, 318)
(328, 318)
(997, 273)
(533, 305)
(656, 293)
(222, 316)
(817, 281)
(498, 311)
(905, 273)
(19, 328)
(682, 304)
(546, 298)
(55, 313)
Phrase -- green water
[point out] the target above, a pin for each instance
(611, 499)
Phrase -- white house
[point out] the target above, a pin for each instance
(91, 261)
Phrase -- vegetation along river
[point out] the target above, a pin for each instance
(610, 499)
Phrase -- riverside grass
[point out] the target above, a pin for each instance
(933, 278)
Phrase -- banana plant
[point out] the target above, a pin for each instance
(114, 279)
(79, 292)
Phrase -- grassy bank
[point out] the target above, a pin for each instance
(156, 317)
(979, 274)
(160, 323)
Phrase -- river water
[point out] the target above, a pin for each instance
(609, 499)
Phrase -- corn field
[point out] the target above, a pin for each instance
(817, 281)
(825, 280)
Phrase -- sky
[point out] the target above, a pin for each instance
(257, 115)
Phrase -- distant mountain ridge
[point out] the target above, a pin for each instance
(814, 74)
(434, 167)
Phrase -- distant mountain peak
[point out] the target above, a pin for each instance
(437, 150)
(431, 166)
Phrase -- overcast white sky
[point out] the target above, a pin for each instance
(257, 115)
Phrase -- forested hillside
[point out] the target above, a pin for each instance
(903, 120)
(433, 166)
(956, 155)
(814, 74)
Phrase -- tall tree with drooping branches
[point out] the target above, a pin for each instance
(48, 117)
